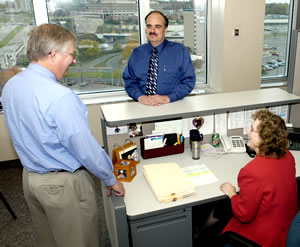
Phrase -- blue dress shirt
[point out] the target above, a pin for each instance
(49, 127)
(176, 75)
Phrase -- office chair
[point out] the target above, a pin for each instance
(12, 213)
(293, 238)
(237, 240)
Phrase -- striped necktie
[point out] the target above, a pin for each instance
(152, 73)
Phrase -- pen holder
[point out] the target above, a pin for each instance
(125, 170)
(158, 152)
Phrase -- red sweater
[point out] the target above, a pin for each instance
(267, 201)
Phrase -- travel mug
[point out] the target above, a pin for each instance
(195, 150)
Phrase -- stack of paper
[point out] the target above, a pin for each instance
(168, 182)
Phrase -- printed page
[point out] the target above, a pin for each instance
(200, 175)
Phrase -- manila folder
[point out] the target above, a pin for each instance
(168, 182)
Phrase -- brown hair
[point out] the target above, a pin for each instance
(273, 134)
(46, 38)
(158, 12)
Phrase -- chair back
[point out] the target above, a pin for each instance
(293, 238)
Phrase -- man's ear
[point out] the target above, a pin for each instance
(52, 54)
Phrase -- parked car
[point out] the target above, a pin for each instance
(275, 53)
(275, 65)
(267, 67)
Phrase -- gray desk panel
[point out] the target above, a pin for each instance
(140, 202)
(134, 112)
(116, 219)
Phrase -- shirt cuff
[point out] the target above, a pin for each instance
(137, 95)
(172, 97)
(111, 180)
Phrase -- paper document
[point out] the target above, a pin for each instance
(200, 174)
(168, 182)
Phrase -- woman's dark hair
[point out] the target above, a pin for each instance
(158, 12)
(273, 134)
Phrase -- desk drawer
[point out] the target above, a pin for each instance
(172, 229)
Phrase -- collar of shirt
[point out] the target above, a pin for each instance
(159, 48)
(41, 69)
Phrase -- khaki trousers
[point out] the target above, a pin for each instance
(63, 208)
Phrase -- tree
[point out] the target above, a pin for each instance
(132, 43)
(277, 9)
(88, 48)
(117, 46)
(263, 70)
(198, 63)
(99, 73)
(116, 74)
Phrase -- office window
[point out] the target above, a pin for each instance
(107, 32)
(187, 25)
(277, 32)
(16, 21)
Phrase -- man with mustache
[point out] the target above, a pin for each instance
(175, 75)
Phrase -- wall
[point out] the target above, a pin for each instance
(7, 151)
(94, 120)
(235, 61)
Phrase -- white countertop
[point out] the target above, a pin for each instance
(134, 112)
(140, 199)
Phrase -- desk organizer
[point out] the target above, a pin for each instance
(158, 152)
(125, 170)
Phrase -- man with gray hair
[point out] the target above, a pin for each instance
(50, 131)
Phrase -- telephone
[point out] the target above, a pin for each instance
(233, 144)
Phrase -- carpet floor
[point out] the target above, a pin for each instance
(20, 232)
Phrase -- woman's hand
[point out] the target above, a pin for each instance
(228, 189)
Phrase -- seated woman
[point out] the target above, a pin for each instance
(267, 201)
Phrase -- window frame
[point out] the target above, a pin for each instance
(41, 16)
(280, 81)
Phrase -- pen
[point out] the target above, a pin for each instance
(164, 143)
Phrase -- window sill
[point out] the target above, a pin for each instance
(121, 96)
(104, 98)
(274, 82)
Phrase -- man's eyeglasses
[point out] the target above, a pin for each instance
(72, 54)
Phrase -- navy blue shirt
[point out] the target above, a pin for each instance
(176, 76)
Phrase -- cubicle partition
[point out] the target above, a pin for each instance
(139, 219)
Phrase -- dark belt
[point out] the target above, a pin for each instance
(80, 168)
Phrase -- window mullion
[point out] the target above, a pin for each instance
(40, 11)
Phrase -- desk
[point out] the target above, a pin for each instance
(139, 219)
(149, 221)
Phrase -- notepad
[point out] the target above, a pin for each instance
(168, 182)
